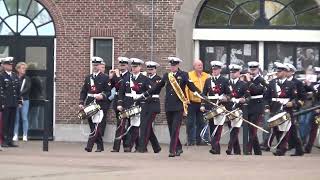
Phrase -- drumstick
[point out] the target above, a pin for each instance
(207, 100)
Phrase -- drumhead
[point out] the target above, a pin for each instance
(277, 116)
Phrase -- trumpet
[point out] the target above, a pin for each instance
(270, 76)
(113, 72)
(244, 77)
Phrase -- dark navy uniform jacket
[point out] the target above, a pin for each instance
(238, 90)
(257, 87)
(221, 88)
(141, 85)
(101, 85)
(172, 101)
(287, 90)
(153, 103)
(301, 92)
(116, 83)
(9, 90)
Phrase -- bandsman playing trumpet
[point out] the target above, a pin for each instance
(117, 76)
(257, 87)
(216, 88)
(238, 96)
(96, 88)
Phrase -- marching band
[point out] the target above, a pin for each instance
(224, 100)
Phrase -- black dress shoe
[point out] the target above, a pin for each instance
(297, 154)
(279, 153)
(264, 148)
(87, 149)
(258, 153)
(212, 151)
(171, 155)
(4, 145)
(157, 150)
(113, 150)
(228, 152)
(99, 150)
(12, 145)
(247, 153)
(179, 152)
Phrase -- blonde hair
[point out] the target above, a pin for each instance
(21, 64)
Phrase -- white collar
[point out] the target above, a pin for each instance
(254, 78)
(9, 72)
(216, 77)
(290, 78)
(234, 81)
(96, 74)
(150, 77)
(124, 73)
(282, 80)
(136, 75)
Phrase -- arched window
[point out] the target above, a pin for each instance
(25, 18)
(297, 14)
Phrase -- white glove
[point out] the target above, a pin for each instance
(234, 100)
(120, 108)
(220, 97)
(202, 108)
(196, 94)
(138, 97)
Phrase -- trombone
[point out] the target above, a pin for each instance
(231, 112)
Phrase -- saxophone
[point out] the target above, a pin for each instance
(177, 89)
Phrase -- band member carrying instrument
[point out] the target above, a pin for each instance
(117, 77)
(216, 88)
(131, 89)
(152, 108)
(257, 87)
(175, 101)
(294, 135)
(238, 96)
(315, 118)
(281, 96)
(96, 89)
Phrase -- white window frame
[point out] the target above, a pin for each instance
(92, 49)
(260, 35)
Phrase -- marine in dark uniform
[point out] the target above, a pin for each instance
(279, 91)
(257, 87)
(152, 108)
(117, 77)
(216, 88)
(10, 99)
(174, 107)
(95, 87)
(131, 89)
(239, 95)
(294, 136)
(315, 88)
(1, 122)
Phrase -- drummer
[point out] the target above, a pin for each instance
(281, 96)
(131, 89)
(216, 88)
(96, 88)
(239, 95)
(294, 138)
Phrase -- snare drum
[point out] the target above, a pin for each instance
(135, 110)
(89, 111)
(214, 113)
(278, 119)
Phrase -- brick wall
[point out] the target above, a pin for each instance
(127, 21)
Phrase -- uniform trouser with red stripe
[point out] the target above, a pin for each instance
(313, 134)
(174, 119)
(97, 132)
(147, 133)
(283, 146)
(132, 137)
(234, 141)
(121, 128)
(253, 137)
(215, 140)
(294, 135)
